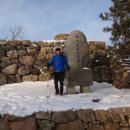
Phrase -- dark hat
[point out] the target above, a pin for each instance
(58, 49)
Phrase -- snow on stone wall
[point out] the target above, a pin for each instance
(87, 119)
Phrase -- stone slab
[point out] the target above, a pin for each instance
(79, 77)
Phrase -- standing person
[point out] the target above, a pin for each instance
(60, 65)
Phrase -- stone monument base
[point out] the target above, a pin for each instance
(83, 89)
(79, 77)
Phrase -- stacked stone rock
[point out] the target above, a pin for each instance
(24, 61)
(87, 119)
(121, 75)
(101, 72)
(61, 36)
(96, 46)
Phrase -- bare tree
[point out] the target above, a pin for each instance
(16, 32)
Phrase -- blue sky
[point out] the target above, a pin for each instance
(43, 19)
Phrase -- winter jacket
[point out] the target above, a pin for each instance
(59, 63)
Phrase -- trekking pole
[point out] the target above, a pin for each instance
(48, 85)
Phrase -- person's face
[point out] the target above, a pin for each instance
(58, 52)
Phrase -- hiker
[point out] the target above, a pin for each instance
(60, 65)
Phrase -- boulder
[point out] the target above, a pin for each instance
(32, 47)
(41, 55)
(11, 69)
(5, 58)
(126, 111)
(10, 48)
(45, 124)
(22, 52)
(116, 114)
(30, 78)
(11, 79)
(43, 44)
(32, 53)
(26, 42)
(49, 56)
(14, 43)
(35, 70)
(3, 79)
(74, 125)
(20, 65)
(26, 124)
(21, 47)
(24, 70)
(102, 116)
(124, 128)
(64, 116)
(124, 123)
(4, 125)
(5, 63)
(14, 61)
(41, 63)
(12, 54)
(112, 126)
(43, 50)
(3, 46)
(26, 60)
(44, 76)
(86, 115)
(95, 127)
(2, 53)
(43, 115)
(18, 79)
(48, 49)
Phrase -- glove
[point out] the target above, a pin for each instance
(68, 68)
(48, 65)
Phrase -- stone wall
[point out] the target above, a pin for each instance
(25, 60)
(87, 119)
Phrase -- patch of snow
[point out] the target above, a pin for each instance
(25, 98)
(50, 41)
(86, 68)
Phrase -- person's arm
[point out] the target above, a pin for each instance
(66, 65)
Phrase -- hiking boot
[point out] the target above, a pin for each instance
(61, 94)
(56, 93)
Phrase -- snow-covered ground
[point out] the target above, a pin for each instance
(25, 98)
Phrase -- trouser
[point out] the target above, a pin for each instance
(59, 76)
